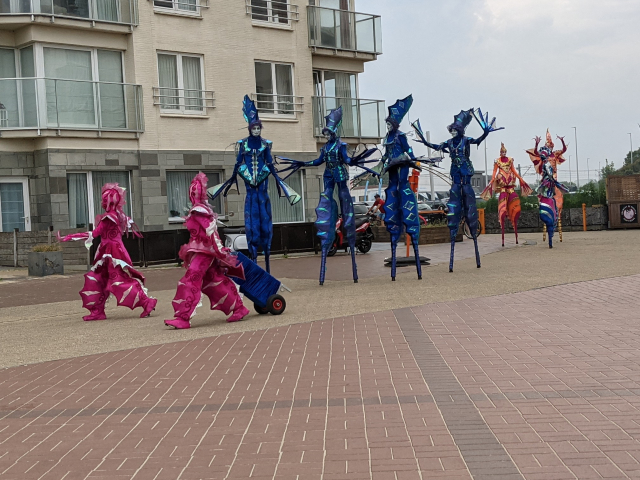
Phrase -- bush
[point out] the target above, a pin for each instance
(592, 193)
(54, 247)
(526, 203)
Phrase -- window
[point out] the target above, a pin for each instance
(84, 191)
(281, 210)
(178, 193)
(274, 88)
(337, 89)
(14, 204)
(181, 83)
(184, 7)
(274, 11)
(74, 95)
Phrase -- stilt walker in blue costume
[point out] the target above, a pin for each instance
(462, 198)
(336, 173)
(400, 202)
(254, 164)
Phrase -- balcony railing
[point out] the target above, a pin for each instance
(360, 118)
(181, 7)
(183, 100)
(278, 104)
(49, 103)
(344, 30)
(277, 12)
(108, 11)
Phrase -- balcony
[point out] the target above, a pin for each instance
(274, 105)
(333, 32)
(48, 106)
(183, 101)
(104, 13)
(361, 119)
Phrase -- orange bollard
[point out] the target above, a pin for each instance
(481, 220)
(414, 181)
(584, 217)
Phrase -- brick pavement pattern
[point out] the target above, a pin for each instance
(491, 388)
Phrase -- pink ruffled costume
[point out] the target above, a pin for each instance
(208, 263)
(112, 272)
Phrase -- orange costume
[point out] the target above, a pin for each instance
(503, 182)
(555, 159)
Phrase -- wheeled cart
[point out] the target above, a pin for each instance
(260, 287)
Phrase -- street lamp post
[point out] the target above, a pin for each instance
(570, 170)
(575, 131)
(631, 143)
(588, 173)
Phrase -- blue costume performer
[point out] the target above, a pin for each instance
(400, 203)
(549, 188)
(334, 155)
(462, 198)
(254, 164)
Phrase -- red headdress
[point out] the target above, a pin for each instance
(549, 141)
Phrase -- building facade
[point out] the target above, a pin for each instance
(149, 92)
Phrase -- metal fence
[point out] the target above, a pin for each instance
(183, 100)
(108, 11)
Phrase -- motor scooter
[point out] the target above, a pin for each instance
(364, 236)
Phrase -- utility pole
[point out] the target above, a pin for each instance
(431, 180)
(588, 173)
(486, 167)
(575, 131)
(631, 143)
(569, 169)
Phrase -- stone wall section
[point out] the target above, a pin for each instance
(74, 253)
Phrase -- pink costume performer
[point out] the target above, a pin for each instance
(504, 183)
(208, 263)
(112, 272)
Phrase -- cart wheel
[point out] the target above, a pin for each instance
(276, 304)
(261, 310)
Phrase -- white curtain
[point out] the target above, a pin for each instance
(346, 93)
(281, 209)
(178, 192)
(28, 83)
(69, 102)
(168, 80)
(192, 78)
(8, 89)
(12, 203)
(100, 178)
(284, 87)
(107, 10)
(78, 200)
(112, 105)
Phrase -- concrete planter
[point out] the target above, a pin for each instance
(428, 235)
(42, 264)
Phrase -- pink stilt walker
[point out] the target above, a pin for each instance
(208, 263)
(112, 272)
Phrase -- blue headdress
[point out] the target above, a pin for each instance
(398, 110)
(461, 121)
(250, 112)
(333, 121)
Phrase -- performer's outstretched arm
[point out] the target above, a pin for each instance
(487, 193)
(283, 189)
(525, 189)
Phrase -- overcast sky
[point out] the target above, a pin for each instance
(533, 64)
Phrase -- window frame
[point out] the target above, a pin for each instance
(274, 95)
(180, 75)
(270, 22)
(322, 72)
(176, 10)
(180, 220)
(303, 179)
(25, 196)
(91, 206)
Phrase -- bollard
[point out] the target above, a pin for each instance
(15, 247)
(481, 220)
(584, 217)
(49, 234)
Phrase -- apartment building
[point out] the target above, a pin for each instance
(148, 92)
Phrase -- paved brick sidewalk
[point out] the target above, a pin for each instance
(491, 388)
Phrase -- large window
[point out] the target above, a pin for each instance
(85, 195)
(181, 83)
(14, 204)
(273, 11)
(337, 89)
(282, 211)
(178, 193)
(274, 88)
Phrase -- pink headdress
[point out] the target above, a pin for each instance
(198, 190)
(113, 200)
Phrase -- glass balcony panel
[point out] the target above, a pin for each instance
(344, 30)
(360, 118)
(115, 11)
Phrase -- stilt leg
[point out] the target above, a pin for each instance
(475, 244)
(560, 225)
(267, 265)
(416, 251)
(544, 233)
(323, 265)
(515, 229)
(502, 235)
(453, 249)
(354, 267)
(394, 245)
